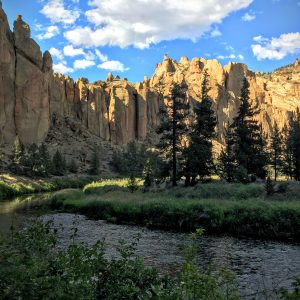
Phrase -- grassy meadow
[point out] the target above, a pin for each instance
(13, 186)
(220, 208)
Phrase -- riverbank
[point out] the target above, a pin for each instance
(12, 186)
(234, 209)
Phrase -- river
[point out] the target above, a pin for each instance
(260, 266)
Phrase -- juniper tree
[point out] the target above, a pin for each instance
(132, 183)
(227, 161)
(33, 160)
(276, 150)
(95, 163)
(46, 163)
(18, 157)
(250, 143)
(58, 164)
(173, 127)
(199, 154)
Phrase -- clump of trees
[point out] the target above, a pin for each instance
(244, 157)
(36, 161)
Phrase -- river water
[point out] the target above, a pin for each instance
(260, 266)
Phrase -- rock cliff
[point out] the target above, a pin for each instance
(34, 101)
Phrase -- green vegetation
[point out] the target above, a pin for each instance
(234, 209)
(199, 152)
(12, 187)
(95, 163)
(172, 128)
(33, 268)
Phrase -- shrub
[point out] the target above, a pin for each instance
(33, 268)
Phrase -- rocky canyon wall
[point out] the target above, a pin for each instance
(33, 99)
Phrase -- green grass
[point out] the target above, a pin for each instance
(234, 209)
(107, 185)
(13, 187)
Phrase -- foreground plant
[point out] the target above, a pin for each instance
(32, 267)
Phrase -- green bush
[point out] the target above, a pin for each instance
(33, 268)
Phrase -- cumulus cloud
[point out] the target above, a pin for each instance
(260, 39)
(230, 56)
(50, 32)
(71, 51)
(101, 56)
(248, 17)
(216, 32)
(83, 63)
(276, 48)
(56, 12)
(144, 22)
(56, 53)
(61, 67)
(113, 65)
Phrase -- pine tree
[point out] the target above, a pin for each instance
(173, 127)
(287, 153)
(18, 156)
(227, 166)
(132, 183)
(148, 174)
(276, 150)
(199, 160)
(95, 164)
(295, 144)
(33, 160)
(45, 160)
(250, 142)
(58, 164)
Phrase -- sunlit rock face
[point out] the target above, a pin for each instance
(33, 99)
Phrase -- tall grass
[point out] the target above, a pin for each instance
(251, 217)
(10, 190)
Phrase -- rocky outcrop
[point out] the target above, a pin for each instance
(34, 101)
(7, 81)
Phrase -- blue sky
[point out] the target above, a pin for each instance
(91, 38)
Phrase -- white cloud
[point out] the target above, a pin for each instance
(71, 51)
(83, 63)
(55, 11)
(260, 39)
(49, 33)
(101, 56)
(230, 56)
(276, 48)
(56, 53)
(62, 68)
(248, 17)
(113, 65)
(216, 32)
(144, 22)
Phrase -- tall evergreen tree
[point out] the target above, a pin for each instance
(95, 163)
(227, 165)
(199, 160)
(46, 162)
(173, 127)
(250, 142)
(58, 164)
(295, 144)
(276, 150)
(33, 160)
(287, 153)
(18, 157)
